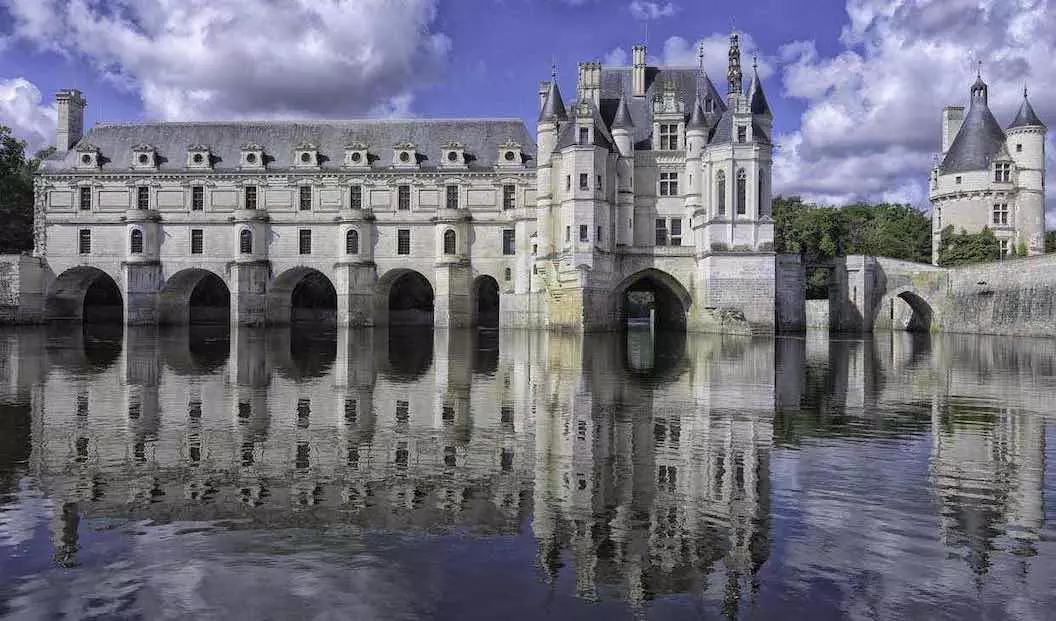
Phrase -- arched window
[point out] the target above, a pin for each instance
(245, 241)
(742, 190)
(720, 191)
(449, 241)
(352, 242)
(136, 242)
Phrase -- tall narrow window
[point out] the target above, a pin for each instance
(584, 181)
(668, 184)
(352, 242)
(661, 232)
(509, 241)
(84, 241)
(1001, 214)
(584, 136)
(742, 133)
(763, 204)
(355, 197)
(668, 136)
(304, 239)
(251, 197)
(403, 197)
(568, 233)
(245, 241)
(720, 191)
(403, 241)
(597, 238)
(508, 195)
(142, 197)
(676, 231)
(452, 197)
(742, 190)
(449, 241)
(135, 242)
(568, 183)
(1003, 172)
(197, 241)
(583, 236)
(306, 198)
(86, 198)
(197, 198)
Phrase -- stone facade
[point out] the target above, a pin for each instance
(990, 177)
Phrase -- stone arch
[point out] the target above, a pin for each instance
(86, 294)
(920, 316)
(404, 297)
(302, 294)
(670, 300)
(486, 301)
(194, 296)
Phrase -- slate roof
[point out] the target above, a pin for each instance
(696, 117)
(756, 97)
(722, 132)
(979, 139)
(1026, 116)
(481, 138)
(623, 116)
(554, 106)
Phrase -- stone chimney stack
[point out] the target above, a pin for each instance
(544, 90)
(952, 118)
(589, 87)
(71, 119)
(638, 71)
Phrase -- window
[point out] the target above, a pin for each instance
(1001, 214)
(709, 105)
(568, 233)
(742, 133)
(1004, 247)
(452, 197)
(304, 239)
(142, 197)
(568, 183)
(403, 411)
(584, 136)
(668, 184)
(1019, 148)
(403, 197)
(403, 241)
(583, 233)
(197, 241)
(742, 190)
(676, 231)
(197, 198)
(1003, 172)
(597, 237)
(584, 181)
(508, 194)
(306, 197)
(84, 241)
(509, 241)
(598, 186)
(355, 197)
(449, 241)
(507, 274)
(86, 199)
(957, 180)
(245, 241)
(351, 413)
(668, 136)
(720, 191)
(352, 242)
(763, 210)
(251, 197)
(661, 232)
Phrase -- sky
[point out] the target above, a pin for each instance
(857, 86)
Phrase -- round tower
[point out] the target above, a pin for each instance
(550, 118)
(1025, 140)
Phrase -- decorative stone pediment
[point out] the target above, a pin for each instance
(357, 155)
(453, 155)
(306, 155)
(510, 155)
(252, 157)
(87, 156)
(144, 157)
(199, 157)
(405, 155)
(669, 101)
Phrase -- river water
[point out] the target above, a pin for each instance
(402, 474)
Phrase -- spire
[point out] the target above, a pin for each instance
(979, 88)
(697, 119)
(554, 107)
(622, 120)
(756, 97)
(733, 74)
(978, 140)
(1026, 117)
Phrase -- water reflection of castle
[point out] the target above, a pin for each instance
(646, 465)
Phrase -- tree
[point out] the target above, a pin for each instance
(1050, 241)
(966, 248)
(16, 192)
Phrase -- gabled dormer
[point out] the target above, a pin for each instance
(199, 157)
(453, 155)
(252, 157)
(306, 155)
(144, 157)
(88, 157)
(510, 155)
(669, 116)
(405, 155)
(357, 155)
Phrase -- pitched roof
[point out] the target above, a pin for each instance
(622, 120)
(722, 132)
(602, 137)
(979, 139)
(554, 106)
(1026, 116)
(482, 139)
(756, 97)
(696, 117)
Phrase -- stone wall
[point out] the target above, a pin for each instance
(22, 282)
(817, 314)
(1011, 297)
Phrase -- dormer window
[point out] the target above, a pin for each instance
(144, 157)
(198, 156)
(454, 155)
(510, 154)
(306, 155)
(252, 156)
(709, 105)
(87, 156)
(584, 136)
(1003, 172)
(742, 133)
(668, 136)
(357, 155)
(405, 155)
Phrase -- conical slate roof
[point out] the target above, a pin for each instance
(697, 120)
(979, 139)
(1026, 116)
(622, 120)
(756, 96)
(554, 107)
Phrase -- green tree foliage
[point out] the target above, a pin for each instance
(820, 233)
(1050, 241)
(965, 248)
(16, 192)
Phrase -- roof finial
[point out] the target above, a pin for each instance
(1024, 90)
(700, 56)
(553, 67)
(755, 61)
(979, 69)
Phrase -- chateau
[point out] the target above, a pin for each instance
(990, 177)
(648, 180)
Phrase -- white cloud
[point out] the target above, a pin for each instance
(21, 110)
(616, 58)
(643, 9)
(677, 52)
(873, 110)
(244, 58)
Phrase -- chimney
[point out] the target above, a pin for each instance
(544, 90)
(589, 87)
(638, 71)
(71, 119)
(952, 118)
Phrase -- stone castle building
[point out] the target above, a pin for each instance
(990, 177)
(648, 180)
